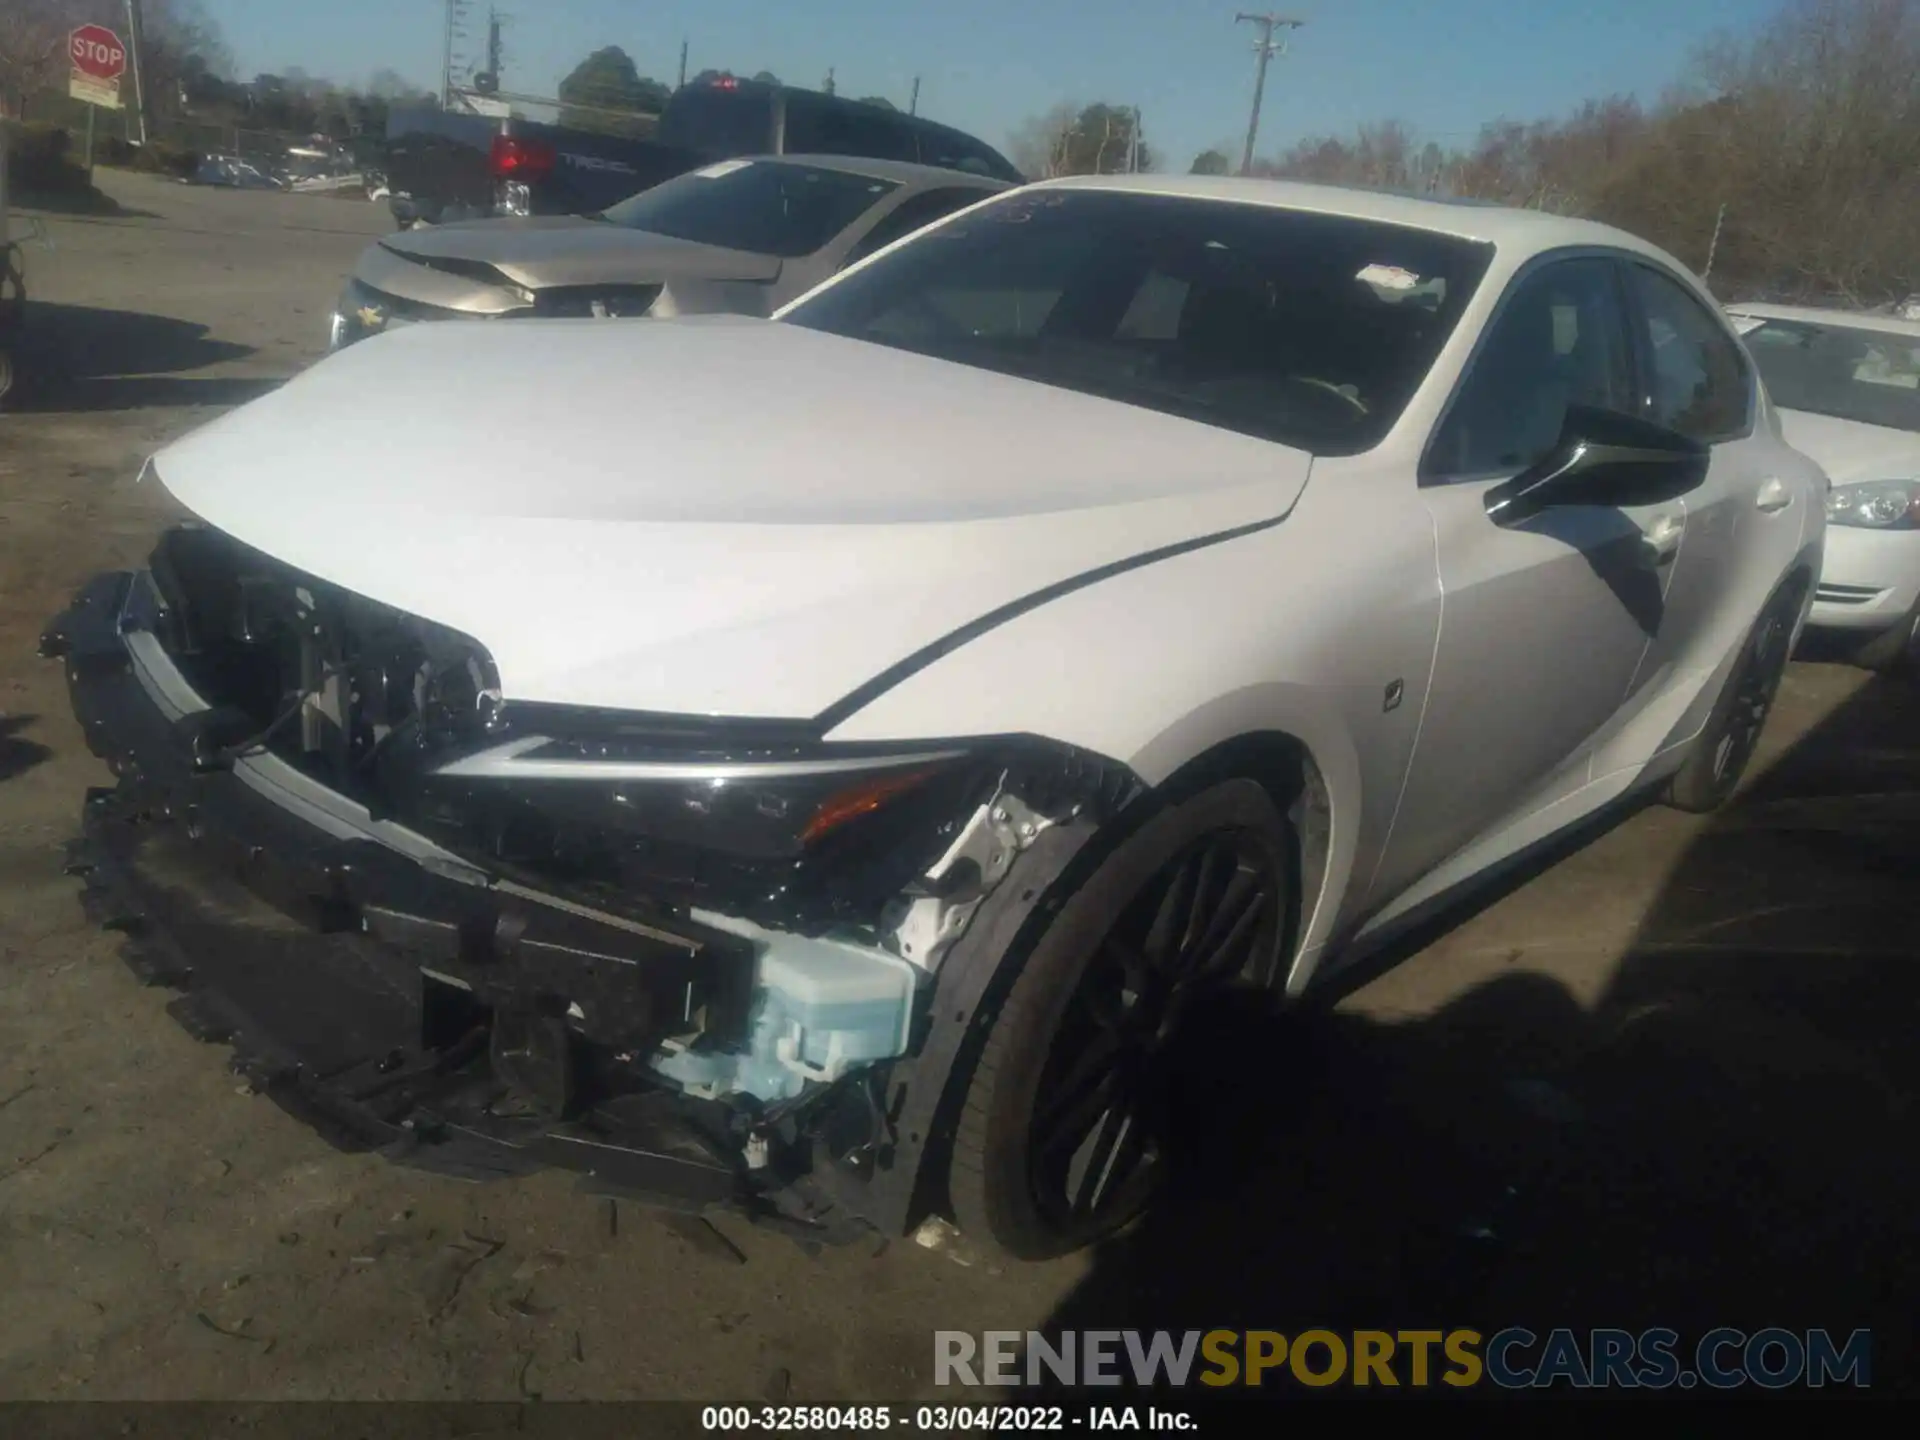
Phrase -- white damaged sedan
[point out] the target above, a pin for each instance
(816, 764)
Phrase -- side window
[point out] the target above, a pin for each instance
(1697, 381)
(1559, 340)
(910, 215)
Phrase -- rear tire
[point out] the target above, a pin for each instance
(1061, 1138)
(1732, 732)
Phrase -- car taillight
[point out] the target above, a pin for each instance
(513, 157)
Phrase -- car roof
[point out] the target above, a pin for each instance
(1874, 320)
(1506, 227)
(901, 172)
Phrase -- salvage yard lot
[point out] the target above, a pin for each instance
(1668, 1080)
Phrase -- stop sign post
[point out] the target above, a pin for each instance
(99, 60)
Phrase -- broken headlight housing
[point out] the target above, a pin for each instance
(767, 823)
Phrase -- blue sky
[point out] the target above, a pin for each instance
(986, 65)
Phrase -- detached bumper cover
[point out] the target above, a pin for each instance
(360, 999)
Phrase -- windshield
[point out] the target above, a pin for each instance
(766, 207)
(1851, 373)
(1313, 330)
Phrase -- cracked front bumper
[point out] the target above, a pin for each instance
(358, 971)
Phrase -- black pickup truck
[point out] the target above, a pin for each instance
(443, 165)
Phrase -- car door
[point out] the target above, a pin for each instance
(1543, 623)
(1693, 378)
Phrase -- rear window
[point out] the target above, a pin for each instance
(719, 122)
(1848, 372)
(1309, 329)
(767, 207)
(821, 125)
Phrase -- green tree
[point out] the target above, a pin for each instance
(765, 77)
(1210, 162)
(608, 80)
(882, 101)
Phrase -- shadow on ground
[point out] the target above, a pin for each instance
(79, 358)
(77, 202)
(1725, 1140)
(18, 756)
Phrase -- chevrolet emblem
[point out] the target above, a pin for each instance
(370, 316)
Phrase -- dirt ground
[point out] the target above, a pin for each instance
(1668, 1080)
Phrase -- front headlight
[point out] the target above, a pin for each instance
(768, 819)
(1875, 505)
(763, 805)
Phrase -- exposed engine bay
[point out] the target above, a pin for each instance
(694, 958)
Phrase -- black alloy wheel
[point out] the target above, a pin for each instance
(1064, 1135)
(1759, 683)
(1207, 919)
(1732, 731)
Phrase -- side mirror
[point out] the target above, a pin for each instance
(1602, 458)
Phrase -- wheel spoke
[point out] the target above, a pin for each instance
(1240, 911)
(1106, 1161)
(1162, 944)
(1135, 972)
(1214, 869)
(1089, 1088)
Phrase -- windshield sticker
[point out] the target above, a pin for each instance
(725, 167)
(1389, 277)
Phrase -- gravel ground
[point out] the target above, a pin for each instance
(1667, 1080)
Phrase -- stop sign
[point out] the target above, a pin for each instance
(97, 51)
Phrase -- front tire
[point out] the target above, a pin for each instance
(1732, 732)
(1062, 1138)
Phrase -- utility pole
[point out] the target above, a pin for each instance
(913, 101)
(446, 67)
(1266, 47)
(683, 64)
(827, 88)
(1714, 243)
(1133, 144)
(137, 51)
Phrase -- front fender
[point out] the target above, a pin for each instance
(1302, 715)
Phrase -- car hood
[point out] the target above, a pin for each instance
(718, 515)
(1851, 450)
(567, 250)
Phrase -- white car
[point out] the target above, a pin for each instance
(816, 763)
(1848, 388)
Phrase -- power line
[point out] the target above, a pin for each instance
(1266, 47)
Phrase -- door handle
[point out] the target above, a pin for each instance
(1661, 539)
(1774, 495)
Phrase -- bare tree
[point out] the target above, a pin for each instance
(1042, 146)
(33, 35)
